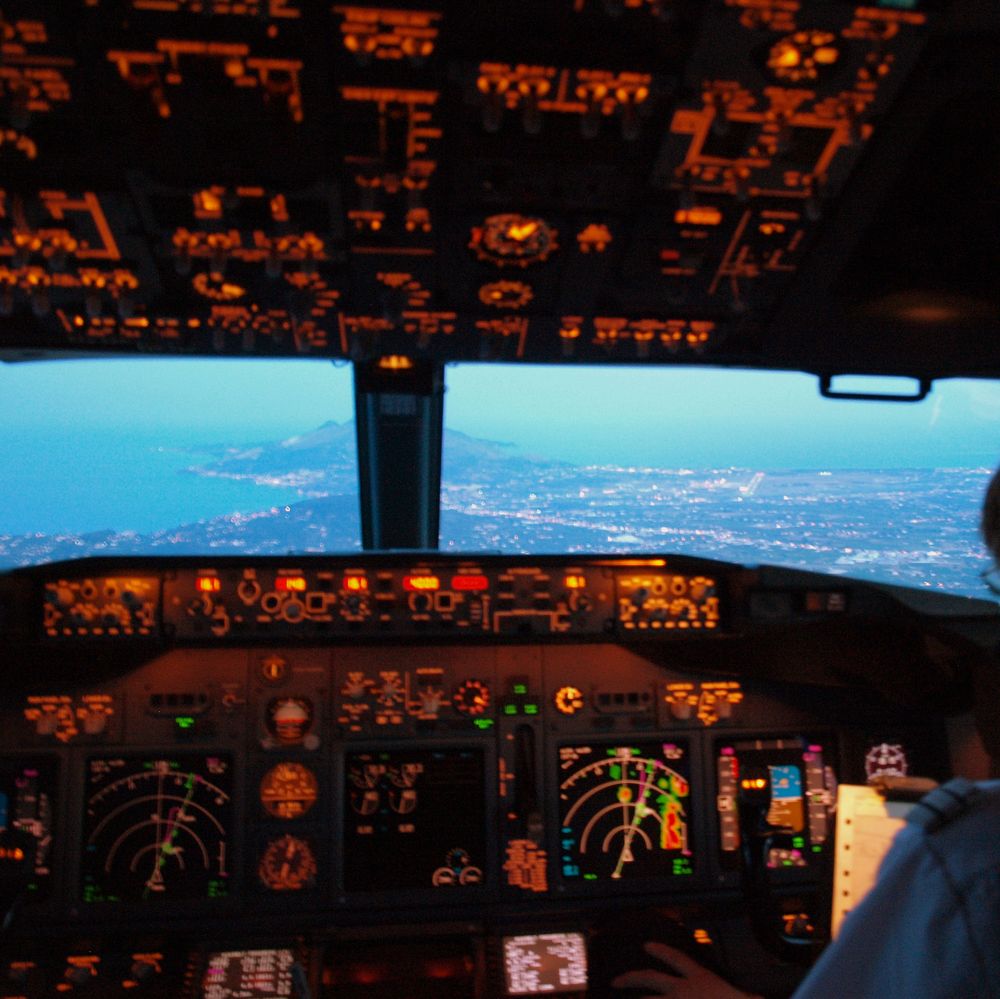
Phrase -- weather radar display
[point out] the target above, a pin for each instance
(625, 811)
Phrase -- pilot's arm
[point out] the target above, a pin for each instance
(930, 928)
(688, 981)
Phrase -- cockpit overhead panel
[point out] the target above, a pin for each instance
(571, 181)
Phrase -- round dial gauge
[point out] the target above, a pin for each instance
(625, 811)
(568, 700)
(517, 240)
(288, 790)
(289, 718)
(506, 294)
(287, 864)
(471, 697)
(156, 829)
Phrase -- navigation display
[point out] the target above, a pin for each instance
(625, 811)
(157, 829)
(544, 963)
(414, 819)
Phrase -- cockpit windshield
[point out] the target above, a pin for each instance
(259, 457)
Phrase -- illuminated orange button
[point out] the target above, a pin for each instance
(699, 215)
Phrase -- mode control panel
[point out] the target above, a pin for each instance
(319, 597)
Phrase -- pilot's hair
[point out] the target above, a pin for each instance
(991, 516)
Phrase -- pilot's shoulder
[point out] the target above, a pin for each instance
(960, 800)
(952, 835)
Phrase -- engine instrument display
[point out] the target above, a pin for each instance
(157, 828)
(27, 792)
(416, 819)
(625, 811)
(249, 974)
(544, 963)
(288, 790)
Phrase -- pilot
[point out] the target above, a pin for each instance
(930, 928)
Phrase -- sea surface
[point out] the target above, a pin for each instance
(128, 480)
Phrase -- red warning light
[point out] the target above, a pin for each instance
(208, 584)
(290, 584)
(356, 584)
(412, 583)
(470, 583)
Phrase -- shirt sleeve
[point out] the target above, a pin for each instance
(931, 925)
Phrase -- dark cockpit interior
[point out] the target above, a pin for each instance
(406, 772)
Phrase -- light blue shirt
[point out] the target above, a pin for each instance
(930, 928)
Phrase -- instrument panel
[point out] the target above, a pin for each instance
(309, 792)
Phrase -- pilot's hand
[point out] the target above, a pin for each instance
(691, 980)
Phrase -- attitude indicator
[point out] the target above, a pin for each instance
(625, 812)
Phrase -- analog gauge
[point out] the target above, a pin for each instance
(402, 779)
(801, 57)
(625, 811)
(289, 718)
(287, 864)
(364, 778)
(156, 829)
(289, 790)
(471, 697)
(403, 774)
(568, 700)
(458, 869)
(506, 294)
(516, 240)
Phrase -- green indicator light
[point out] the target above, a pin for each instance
(184, 721)
(798, 842)
(520, 688)
(510, 709)
(531, 709)
(817, 849)
(483, 723)
(590, 877)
